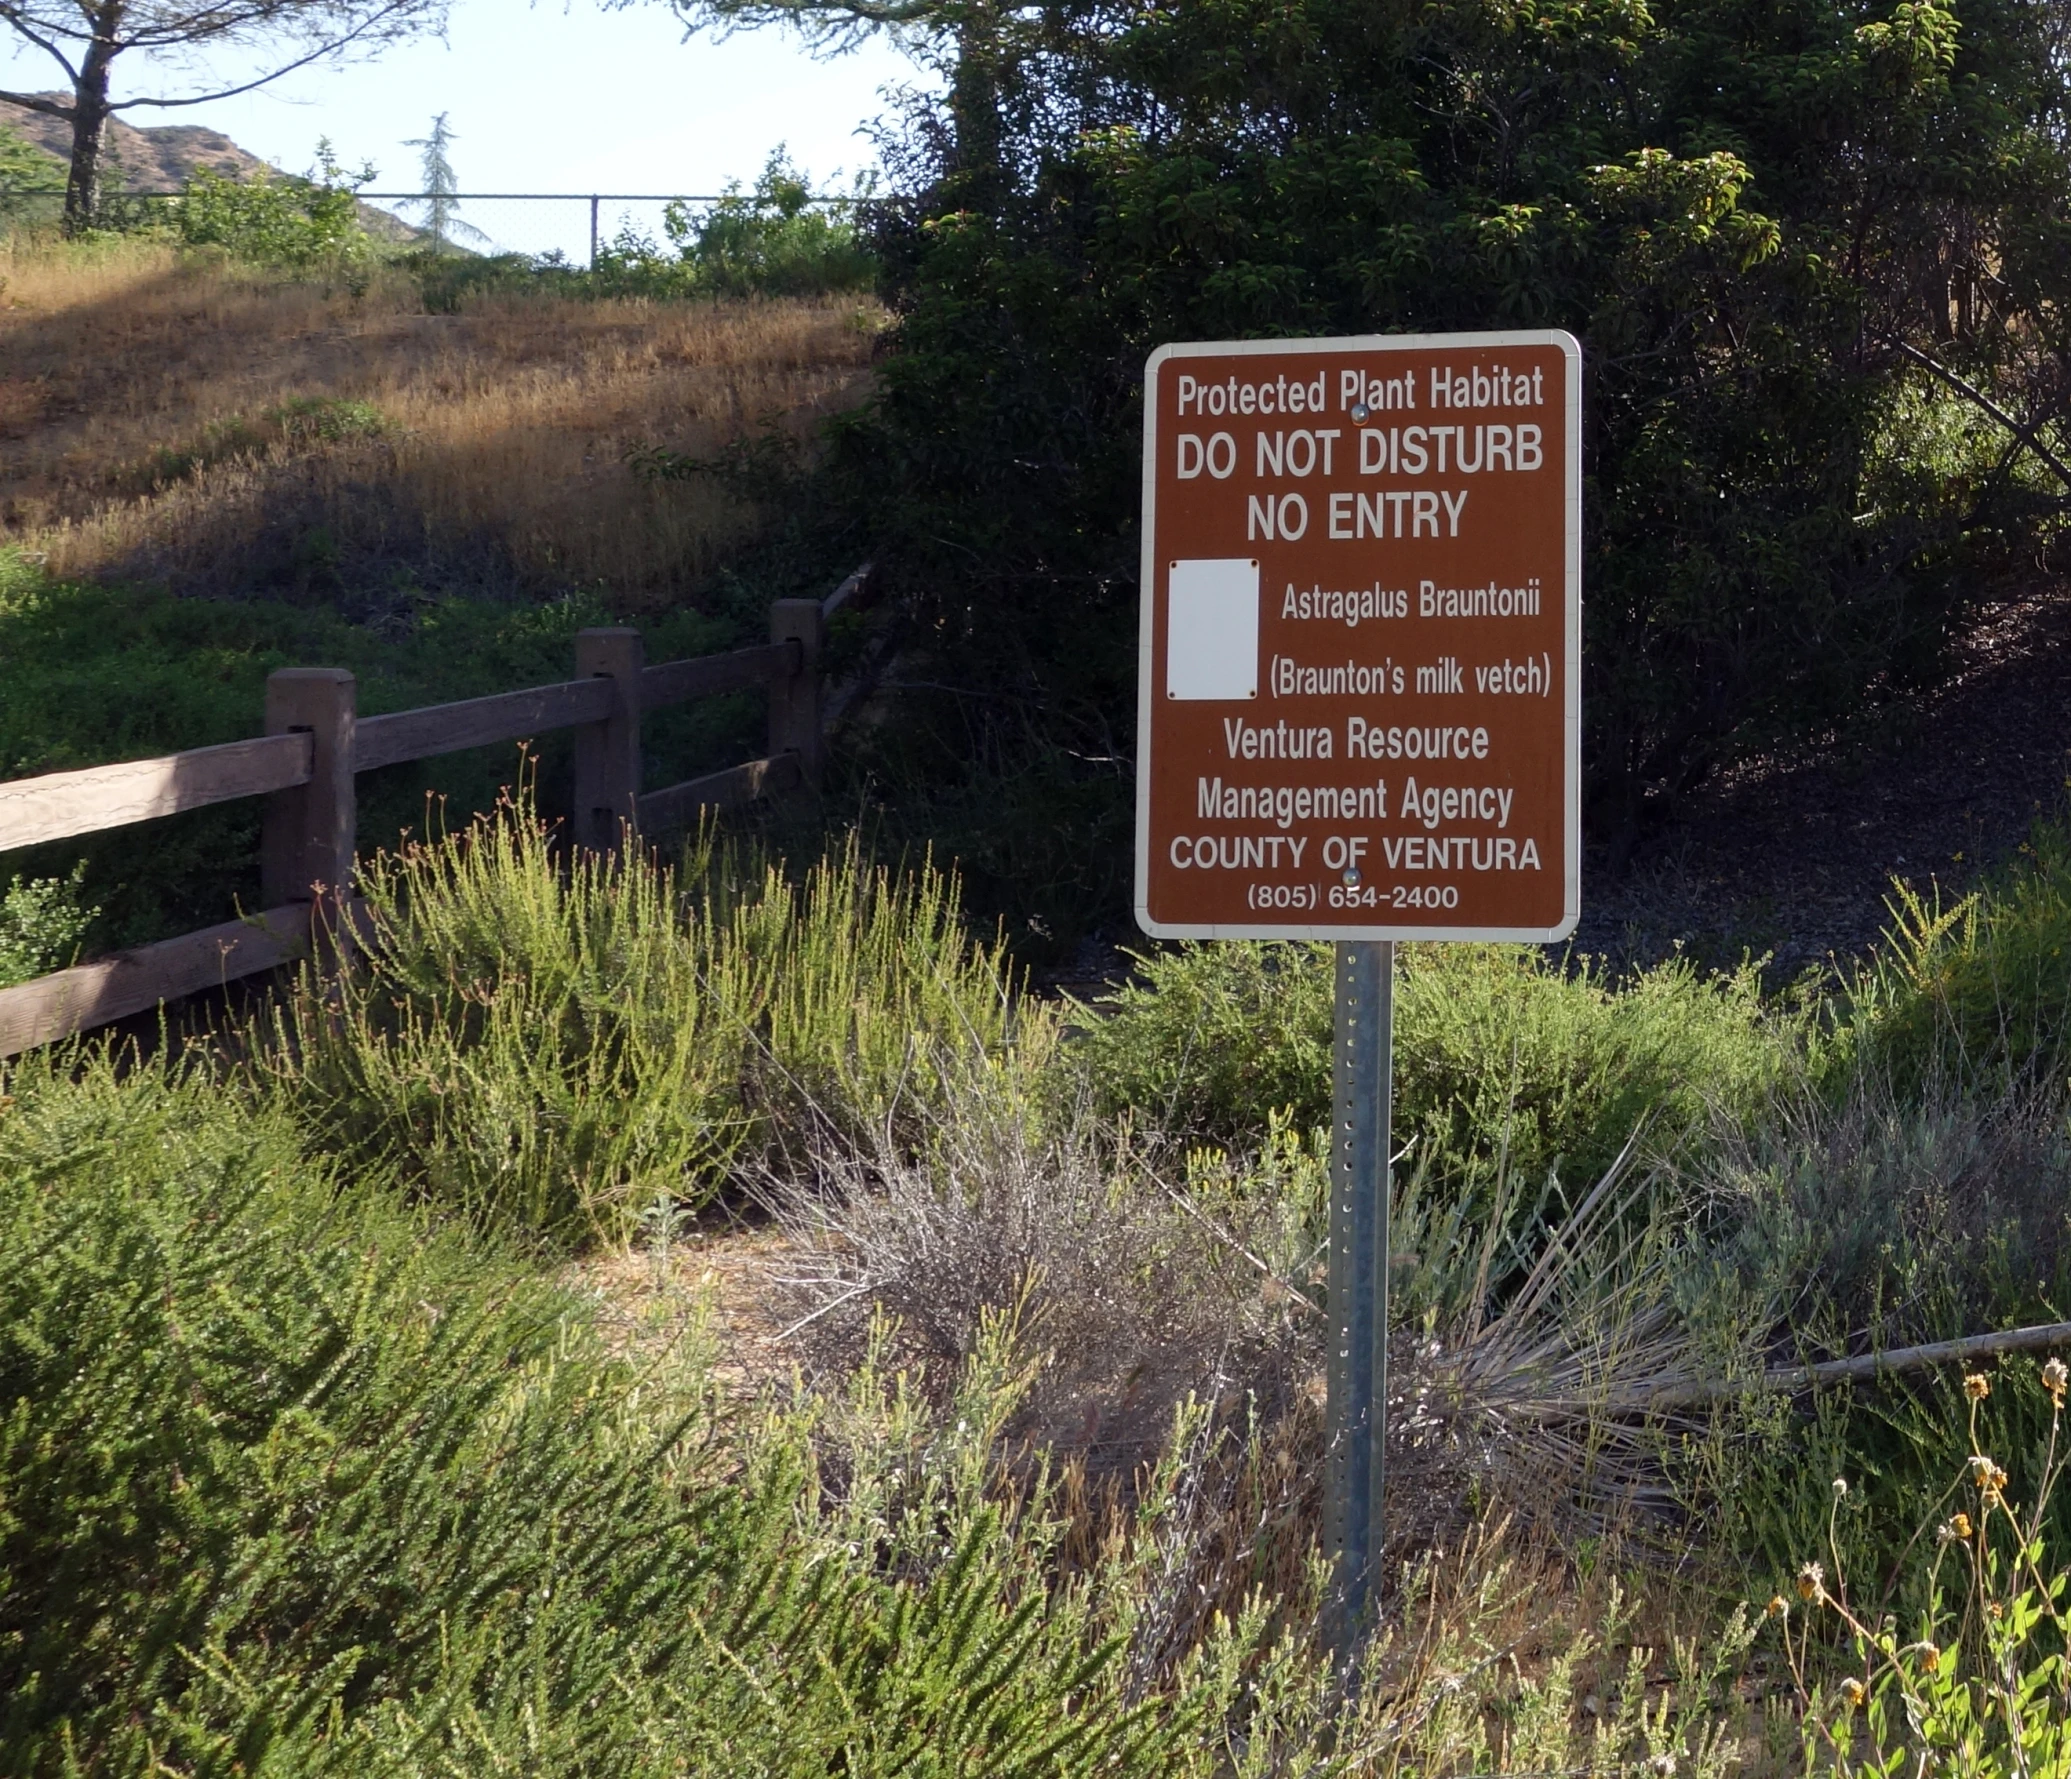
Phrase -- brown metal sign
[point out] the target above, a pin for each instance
(1359, 682)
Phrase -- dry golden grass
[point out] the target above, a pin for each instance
(134, 390)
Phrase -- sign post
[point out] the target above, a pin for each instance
(1359, 719)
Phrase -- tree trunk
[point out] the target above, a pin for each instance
(89, 128)
(974, 112)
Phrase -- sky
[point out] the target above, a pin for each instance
(542, 99)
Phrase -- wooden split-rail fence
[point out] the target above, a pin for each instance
(316, 745)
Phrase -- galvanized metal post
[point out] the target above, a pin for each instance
(594, 200)
(1358, 1378)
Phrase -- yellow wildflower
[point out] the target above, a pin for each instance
(1852, 1692)
(1812, 1582)
(1977, 1386)
(2054, 1377)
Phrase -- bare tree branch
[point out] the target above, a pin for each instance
(315, 55)
(1971, 393)
(56, 54)
(1867, 1368)
(829, 27)
(29, 102)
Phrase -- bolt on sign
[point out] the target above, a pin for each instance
(1359, 683)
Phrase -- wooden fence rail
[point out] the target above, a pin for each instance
(316, 745)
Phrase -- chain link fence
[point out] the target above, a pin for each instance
(564, 228)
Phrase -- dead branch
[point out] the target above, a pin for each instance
(1867, 1366)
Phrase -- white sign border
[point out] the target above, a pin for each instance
(1571, 871)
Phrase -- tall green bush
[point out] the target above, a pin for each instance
(548, 1045)
(271, 1451)
(771, 241)
(1737, 212)
(41, 925)
(774, 240)
(31, 181)
(1500, 1056)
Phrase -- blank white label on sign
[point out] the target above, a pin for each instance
(1211, 641)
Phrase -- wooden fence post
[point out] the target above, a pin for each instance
(306, 838)
(794, 702)
(607, 754)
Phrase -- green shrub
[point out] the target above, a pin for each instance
(267, 1438)
(549, 1046)
(1498, 1052)
(773, 241)
(41, 925)
(29, 181)
(1979, 989)
(295, 225)
(291, 1484)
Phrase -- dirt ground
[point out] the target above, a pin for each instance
(713, 1283)
(1794, 856)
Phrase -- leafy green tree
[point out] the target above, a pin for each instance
(26, 174)
(773, 241)
(86, 38)
(1759, 220)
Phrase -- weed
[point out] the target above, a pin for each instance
(1856, 1221)
(41, 924)
(1973, 1679)
(1978, 989)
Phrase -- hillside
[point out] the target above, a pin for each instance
(235, 435)
(1794, 854)
(153, 157)
(163, 157)
(207, 472)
